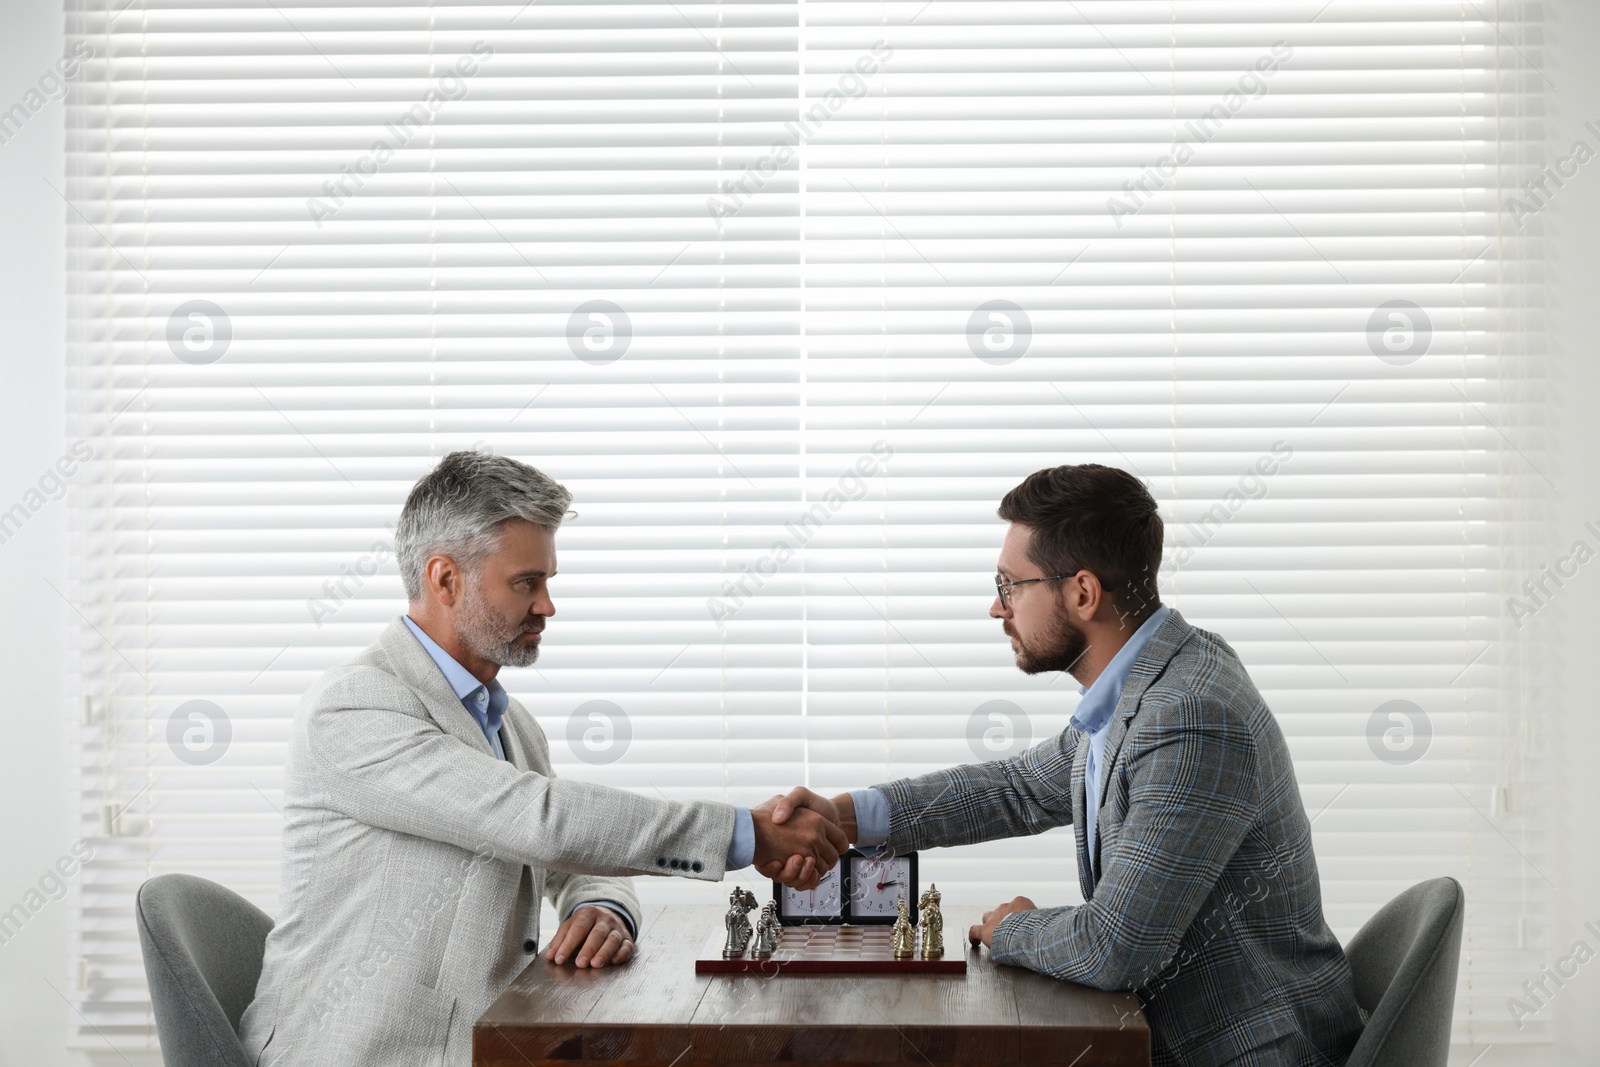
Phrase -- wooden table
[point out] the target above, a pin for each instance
(656, 1010)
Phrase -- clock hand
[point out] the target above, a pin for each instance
(886, 885)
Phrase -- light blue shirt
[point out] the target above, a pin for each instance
(1092, 717)
(486, 702)
(742, 849)
(1093, 714)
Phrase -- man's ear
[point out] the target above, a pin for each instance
(443, 579)
(1087, 599)
(1075, 600)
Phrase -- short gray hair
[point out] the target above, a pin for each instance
(458, 507)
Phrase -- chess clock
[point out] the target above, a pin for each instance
(821, 906)
(861, 890)
(873, 886)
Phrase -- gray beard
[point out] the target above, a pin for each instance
(490, 636)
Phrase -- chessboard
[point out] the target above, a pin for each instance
(829, 950)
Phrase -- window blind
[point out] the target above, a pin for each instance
(789, 294)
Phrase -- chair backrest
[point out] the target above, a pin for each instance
(1404, 960)
(202, 948)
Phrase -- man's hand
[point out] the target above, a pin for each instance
(984, 932)
(595, 935)
(841, 810)
(798, 850)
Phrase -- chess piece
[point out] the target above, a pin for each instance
(768, 931)
(931, 924)
(903, 933)
(737, 923)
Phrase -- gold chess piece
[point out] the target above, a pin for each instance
(903, 933)
(931, 923)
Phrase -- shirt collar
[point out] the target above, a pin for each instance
(486, 702)
(1100, 699)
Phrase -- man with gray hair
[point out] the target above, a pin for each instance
(423, 821)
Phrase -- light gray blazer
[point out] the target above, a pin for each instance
(414, 860)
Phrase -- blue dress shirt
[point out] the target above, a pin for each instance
(1092, 717)
(1093, 714)
(742, 849)
(486, 703)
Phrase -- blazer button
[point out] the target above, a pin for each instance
(530, 945)
(661, 861)
(676, 863)
(697, 866)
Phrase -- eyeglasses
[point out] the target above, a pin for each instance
(1003, 586)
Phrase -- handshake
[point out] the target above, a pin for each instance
(800, 836)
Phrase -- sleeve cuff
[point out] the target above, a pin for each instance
(742, 848)
(872, 816)
(1018, 936)
(627, 917)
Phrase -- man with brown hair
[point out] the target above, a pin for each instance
(1194, 852)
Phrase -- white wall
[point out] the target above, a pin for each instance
(35, 785)
(1572, 732)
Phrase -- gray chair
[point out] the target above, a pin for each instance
(202, 948)
(1405, 960)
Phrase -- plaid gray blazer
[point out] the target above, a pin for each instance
(1202, 894)
(414, 862)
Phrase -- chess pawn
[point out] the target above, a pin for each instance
(931, 924)
(768, 932)
(903, 933)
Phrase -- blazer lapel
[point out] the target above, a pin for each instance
(414, 667)
(511, 741)
(514, 736)
(1164, 644)
(1085, 882)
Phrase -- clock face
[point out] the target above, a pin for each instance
(825, 902)
(878, 884)
(860, 890)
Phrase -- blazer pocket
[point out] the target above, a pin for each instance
(260, 1057)
(412, 1027)
(1228, 1040)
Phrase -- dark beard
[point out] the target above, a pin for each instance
(1058, 649)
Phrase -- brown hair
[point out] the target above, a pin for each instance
(1087, 516)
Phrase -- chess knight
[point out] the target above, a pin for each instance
(903, 933)
(931, 923)
(737, 922)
